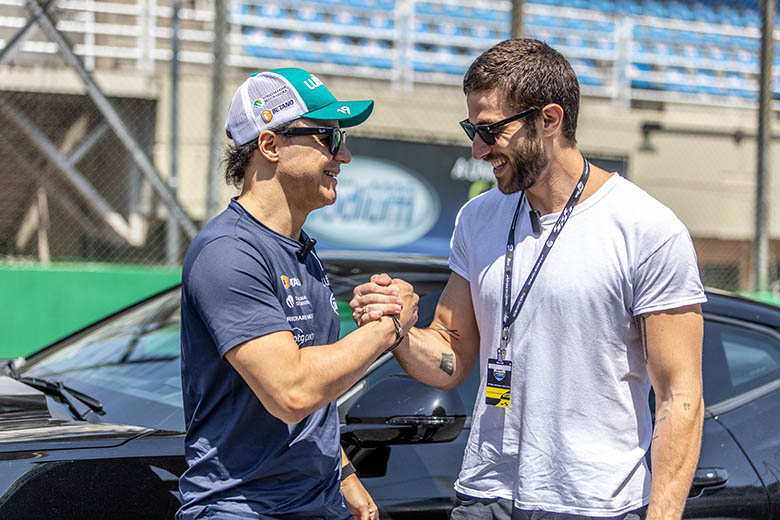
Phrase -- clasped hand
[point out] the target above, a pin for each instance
(385, 296)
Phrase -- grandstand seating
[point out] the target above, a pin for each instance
(704, 48)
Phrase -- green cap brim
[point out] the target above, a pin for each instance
(357, 113)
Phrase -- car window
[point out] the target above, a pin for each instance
(130, 363)
(737, 359)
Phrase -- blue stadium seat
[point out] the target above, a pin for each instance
(605, 6)
(707, 83)
(421, 59)
(376, 53)
(640, 76)
(426, 8)
(344, 17)
(605, 42)
(380, 21)
(586, 72)
(681, 10)
(259, 43)
(663, 49)
(738, 85)
(675, 78)
(387, 5)
(447, 28)
(746, 57)
(446, 60)
(299, 46)
(719, 54)
(308, 14)
(692, 53)
(271, 10)
(339, 50)
(486, 14)
(482, 32)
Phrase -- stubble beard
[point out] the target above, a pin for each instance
(526, 165)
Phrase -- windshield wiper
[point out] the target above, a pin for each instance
(69, 395)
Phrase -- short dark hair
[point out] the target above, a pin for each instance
(528, 73)
(236, 157)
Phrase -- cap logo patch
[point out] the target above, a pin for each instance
(313, 82)
(344, 110)
(266, 115)
(258, 103)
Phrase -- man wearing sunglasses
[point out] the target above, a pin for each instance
(576, 291)
(262, 364)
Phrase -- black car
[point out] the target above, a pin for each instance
(92, 426)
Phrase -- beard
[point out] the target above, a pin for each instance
(526, 164)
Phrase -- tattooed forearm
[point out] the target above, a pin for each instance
(452, 332)
(642, 326)
(447, 364)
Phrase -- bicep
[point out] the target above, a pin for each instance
(267, 364)
(672, 346)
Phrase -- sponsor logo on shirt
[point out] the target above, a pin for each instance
(302, 337)
(290, 301)
(290, 282)
(334, 304)
(302, 301)
(301, 317)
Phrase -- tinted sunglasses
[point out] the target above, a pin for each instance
(486, 132)
(334, 136)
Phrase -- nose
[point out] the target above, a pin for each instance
(343, 155)
(479, 148)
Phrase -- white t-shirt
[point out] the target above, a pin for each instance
(579, 412)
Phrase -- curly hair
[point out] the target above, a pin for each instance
(236, 157)
(528, 73)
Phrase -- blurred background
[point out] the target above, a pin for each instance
(112, 116)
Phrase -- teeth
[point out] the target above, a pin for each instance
(331, 174)
(498, 163)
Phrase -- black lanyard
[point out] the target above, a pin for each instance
(510, 315)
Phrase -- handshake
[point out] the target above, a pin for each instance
(385, 296)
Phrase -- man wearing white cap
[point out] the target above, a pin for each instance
(261, 360)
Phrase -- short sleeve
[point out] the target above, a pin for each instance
(669, 277)
(458, 261)
(231, 288)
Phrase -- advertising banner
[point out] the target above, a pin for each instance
(403, 196)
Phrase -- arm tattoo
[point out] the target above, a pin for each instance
(447, 364)
(642, 326)
(452, 332)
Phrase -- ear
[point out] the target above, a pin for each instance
(552, 119)
(268, 145)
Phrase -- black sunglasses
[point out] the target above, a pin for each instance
(486, 131)
(334, 136)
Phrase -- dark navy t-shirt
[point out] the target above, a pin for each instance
(240, 281)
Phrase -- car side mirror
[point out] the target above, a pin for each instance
(400, 410)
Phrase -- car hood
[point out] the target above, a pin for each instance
(26, 423)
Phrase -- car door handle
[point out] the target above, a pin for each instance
(709, 477)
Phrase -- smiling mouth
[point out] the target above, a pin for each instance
(331, 174)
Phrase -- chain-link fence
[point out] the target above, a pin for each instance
(86, 101)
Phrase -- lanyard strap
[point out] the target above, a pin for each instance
(510, 315)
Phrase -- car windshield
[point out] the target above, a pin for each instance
(130, 361)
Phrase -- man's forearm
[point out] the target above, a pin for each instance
(675, 453)
(432, 356)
